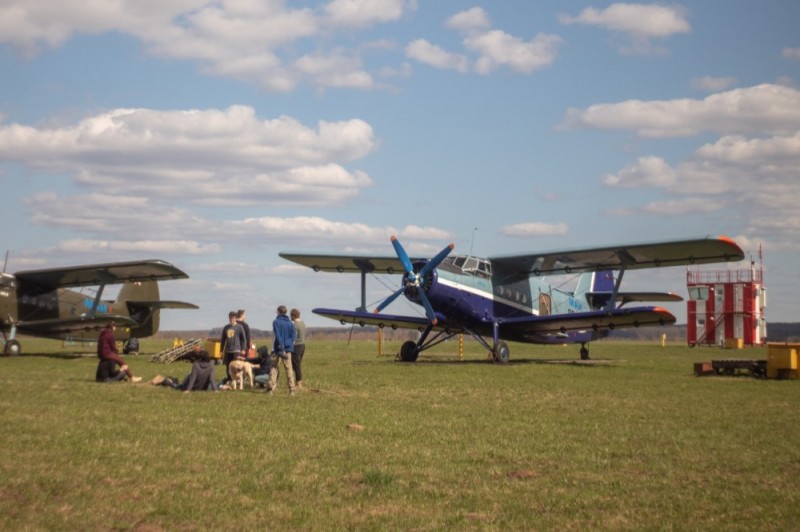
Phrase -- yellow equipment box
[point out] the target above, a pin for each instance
(734, 343)
(782, 360)
(213, 348)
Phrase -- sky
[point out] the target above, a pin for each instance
(216, 134)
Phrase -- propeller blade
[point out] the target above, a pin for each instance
(388, 301)
(435, 261)
(402, 255)
(428, 308)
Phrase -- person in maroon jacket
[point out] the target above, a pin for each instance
(107, 350)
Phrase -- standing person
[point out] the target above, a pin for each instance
(240, 315)
(107, 350)
(233, 342)
(299, 347)
(284, 333)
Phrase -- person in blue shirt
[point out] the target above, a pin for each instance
(284, 335)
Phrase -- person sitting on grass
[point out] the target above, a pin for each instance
(200, 378)
(107, 350)
(107, 372)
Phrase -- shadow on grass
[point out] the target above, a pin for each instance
(595, 362)
(58, 356)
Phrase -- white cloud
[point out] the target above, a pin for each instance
(497, 48)
(713, 84)
(490, 48)
(647, 171)
(764, 108)
(182, 247)
(259, 42)
(226, 157)
(471, 19)
(640, 22)
(430, 54)
(792, 54)
(531, 229)
(755, 177)
(367, 12)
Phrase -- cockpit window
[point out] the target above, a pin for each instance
(7, 280)
(470, 265)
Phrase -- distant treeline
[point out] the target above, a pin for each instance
(776, 332)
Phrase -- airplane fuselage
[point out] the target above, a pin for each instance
(471, 297)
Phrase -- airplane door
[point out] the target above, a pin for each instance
(545, 304)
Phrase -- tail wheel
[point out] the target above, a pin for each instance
(409, 351)
(13, 348)
(501, 353)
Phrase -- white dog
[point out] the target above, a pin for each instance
(238, 368)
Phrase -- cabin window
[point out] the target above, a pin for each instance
(698, 293)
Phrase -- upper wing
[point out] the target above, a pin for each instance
(628, 256)
(348, 263)
(98, 274)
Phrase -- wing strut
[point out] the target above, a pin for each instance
(96, 302)
(625, 259)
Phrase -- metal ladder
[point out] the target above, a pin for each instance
(173, 353)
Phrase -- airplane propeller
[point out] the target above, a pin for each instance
(415, 280)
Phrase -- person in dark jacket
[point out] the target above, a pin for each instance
(240, 316)
(283, 345)
(200, 378)
(233, 341)
(107, 350)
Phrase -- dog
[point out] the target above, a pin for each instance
(238, 368)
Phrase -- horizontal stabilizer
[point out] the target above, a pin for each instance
(154, 305)
(600, 298)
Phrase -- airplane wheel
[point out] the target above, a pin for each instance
(584, 353)
(13, 348)
(409, 351)
(501, 353)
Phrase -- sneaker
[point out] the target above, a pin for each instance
(136, 379)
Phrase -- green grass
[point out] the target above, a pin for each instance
(633, 442)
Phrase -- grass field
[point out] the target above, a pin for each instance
(633, 442)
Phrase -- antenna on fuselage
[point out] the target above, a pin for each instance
(472, 243)
(5, 262)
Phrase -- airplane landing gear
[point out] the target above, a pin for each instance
(409, 351)
(584, 352)
(13, 348)
(500, 353)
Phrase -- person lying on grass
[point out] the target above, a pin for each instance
(200, 378)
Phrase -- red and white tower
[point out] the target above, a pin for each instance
(726, 305)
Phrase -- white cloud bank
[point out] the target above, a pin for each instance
(265, 42)
(486, 49)
(641, 23)
(209, 157)
(750, 170)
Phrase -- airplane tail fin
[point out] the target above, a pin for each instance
(142, 302)
(596, 287)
